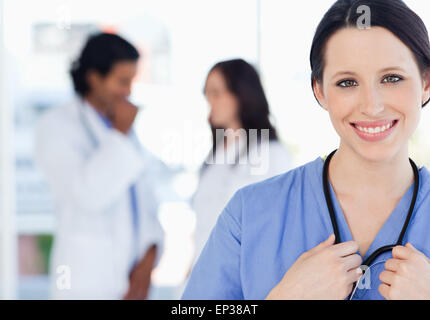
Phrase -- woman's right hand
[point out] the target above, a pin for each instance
(326, 272)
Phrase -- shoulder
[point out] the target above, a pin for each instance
(58, 126)
(268, 159)
(418, 230)
(424, 175)
(59, 118)
(278, 151)
(273, 191)
(296, 176)
(280, 156)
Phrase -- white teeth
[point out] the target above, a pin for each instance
(375, 130)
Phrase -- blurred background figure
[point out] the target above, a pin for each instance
(108, 238)
(237, 102)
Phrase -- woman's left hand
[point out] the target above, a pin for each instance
(406, 275)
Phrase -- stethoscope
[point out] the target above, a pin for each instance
(380, 250)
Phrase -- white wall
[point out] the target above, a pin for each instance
(8, 263)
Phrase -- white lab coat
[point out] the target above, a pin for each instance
(219, 182)
(90, 184)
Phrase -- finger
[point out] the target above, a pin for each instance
(384, 289)
(354, 275)
(352, 261)
(345, 248)
(410, 246)
(387, 277)
(402, 253)
(392, 265)
(325, 244)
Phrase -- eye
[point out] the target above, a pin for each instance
(388, 79)
(346, 83)
(392, 78)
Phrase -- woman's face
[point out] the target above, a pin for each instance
(373, 91)
(223, 104)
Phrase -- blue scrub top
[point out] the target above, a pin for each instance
(266, 226)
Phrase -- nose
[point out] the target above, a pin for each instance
(371, 102)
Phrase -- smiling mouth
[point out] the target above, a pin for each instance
(375, 129)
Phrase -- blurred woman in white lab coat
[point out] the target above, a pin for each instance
(108, 237)
(238, 110)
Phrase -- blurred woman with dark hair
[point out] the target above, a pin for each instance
(245, 147)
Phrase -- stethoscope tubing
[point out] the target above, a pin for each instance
(330, 207)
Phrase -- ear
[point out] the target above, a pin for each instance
(426, 86)
(319, 93)
(93, 79)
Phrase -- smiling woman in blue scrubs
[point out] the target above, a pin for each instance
(274, 239)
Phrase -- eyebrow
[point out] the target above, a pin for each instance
(354, 74)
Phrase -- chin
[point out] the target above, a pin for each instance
(214, 123)
(377, 152)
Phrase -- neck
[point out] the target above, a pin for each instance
(96, 104)
(351, 174)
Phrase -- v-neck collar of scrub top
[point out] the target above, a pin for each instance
(387, 234)
(390, 230)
